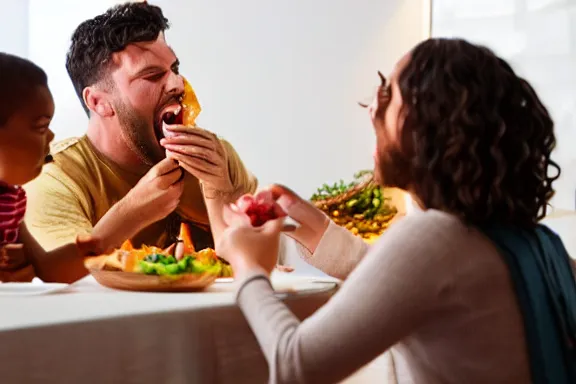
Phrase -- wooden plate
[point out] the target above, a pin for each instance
(129, 281)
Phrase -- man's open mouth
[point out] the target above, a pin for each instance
(170, 115)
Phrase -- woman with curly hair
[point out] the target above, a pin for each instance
(471, 289)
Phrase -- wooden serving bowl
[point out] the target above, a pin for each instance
(130, 281)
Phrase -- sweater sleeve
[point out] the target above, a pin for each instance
(338, 252)
(377, 306)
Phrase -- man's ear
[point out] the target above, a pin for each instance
(98, 101)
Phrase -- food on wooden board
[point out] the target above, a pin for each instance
(152, 260)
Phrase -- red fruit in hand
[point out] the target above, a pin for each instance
(260, 208)
(260, 213)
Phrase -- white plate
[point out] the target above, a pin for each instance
(225, 280)
(29, 289)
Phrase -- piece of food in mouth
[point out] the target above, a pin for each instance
(260, 208)
(151, 260)
(184, 114)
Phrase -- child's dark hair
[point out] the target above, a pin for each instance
(18, 78)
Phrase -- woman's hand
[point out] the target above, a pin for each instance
(249, 248)
(312, 221)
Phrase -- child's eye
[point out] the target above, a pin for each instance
(42, 128)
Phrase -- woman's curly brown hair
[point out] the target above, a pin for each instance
(477, 136)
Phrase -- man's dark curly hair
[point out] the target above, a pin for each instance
(95, 40)
(476, 136)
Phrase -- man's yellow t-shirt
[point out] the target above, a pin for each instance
(81, 185)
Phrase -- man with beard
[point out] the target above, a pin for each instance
(124, 169)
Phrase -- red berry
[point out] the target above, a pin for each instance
(260, 213)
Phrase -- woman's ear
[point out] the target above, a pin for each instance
(97, 101)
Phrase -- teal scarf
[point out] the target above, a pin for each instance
(546, 290)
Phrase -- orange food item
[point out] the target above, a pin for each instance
(186, 239)
(206, 254)
(190, 105)
(127, 246)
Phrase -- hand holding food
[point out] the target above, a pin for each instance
(279, 201)
(157, 194)
(198, 151)
(260, 208)
(249, 248)
(201, 154)
(184, 115)
(312, 222)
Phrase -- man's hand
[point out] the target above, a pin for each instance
(201, 154)
(156, 195)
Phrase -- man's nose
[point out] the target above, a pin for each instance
(175, 84)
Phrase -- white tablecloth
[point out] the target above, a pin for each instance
(91, 334)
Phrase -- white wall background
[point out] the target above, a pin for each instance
(280, 80)
(538, 37)
(14, 27)
(51, 24)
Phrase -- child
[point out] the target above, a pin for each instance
(26, 109)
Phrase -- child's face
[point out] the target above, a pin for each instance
(25, 138)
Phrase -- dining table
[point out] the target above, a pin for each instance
(88, 333)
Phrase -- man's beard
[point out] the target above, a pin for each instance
(136, 130)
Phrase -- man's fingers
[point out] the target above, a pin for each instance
(163, 167)
(199, 153)
(195, 140)
(198, 173)
(171, 178)
(192, 131)
(178, 188)
(197, 167)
